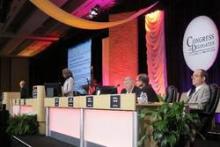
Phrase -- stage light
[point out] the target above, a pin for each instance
(94, 12)
(154, 16)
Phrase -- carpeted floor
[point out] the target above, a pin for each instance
(39, 141)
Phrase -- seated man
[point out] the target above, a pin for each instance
(142, 82)
(199, 96)
(129, 86)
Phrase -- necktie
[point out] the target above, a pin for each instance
(192, 91)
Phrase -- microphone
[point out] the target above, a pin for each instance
(87, 79)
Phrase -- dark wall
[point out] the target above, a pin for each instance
(12, 71)
(177, 17)
(142, 55)
(47, 66)
(97, 58)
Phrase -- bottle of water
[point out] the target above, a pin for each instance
(98, 91)
(143, 97)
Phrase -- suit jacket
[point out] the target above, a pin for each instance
(24, 92)
(151, 94)
(199, 98)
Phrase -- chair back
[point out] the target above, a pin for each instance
(207, 115)
(211, 106)
(171, 94)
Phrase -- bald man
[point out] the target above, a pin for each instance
(199, 97)
(129, 86)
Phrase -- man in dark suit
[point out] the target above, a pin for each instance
(129, 86)
(142, 82)
(23, 89)
(199, 96)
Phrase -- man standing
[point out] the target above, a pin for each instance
(199, 96)
(23, 89)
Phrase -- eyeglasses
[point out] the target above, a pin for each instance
(195, 76)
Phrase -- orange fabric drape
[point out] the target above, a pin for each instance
(57, 13)
(156, 53)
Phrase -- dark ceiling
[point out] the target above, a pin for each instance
(25, 28)
(26, 31)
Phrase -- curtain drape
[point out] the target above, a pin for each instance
(156, 53)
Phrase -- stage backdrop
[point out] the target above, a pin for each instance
(120, 52)
(79, 62)
(176, 23)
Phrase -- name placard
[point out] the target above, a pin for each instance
(34, 92)
(56, 102)
(70, 101)
(89, 101)
(115, 101)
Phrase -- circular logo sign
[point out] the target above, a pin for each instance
(200, 43)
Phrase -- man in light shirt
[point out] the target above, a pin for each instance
(129, 86)
(199, 96)
(68, 86)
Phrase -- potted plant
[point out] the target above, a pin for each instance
(172, 125)
(23, 125)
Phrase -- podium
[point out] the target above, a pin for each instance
(104, 120)
(7, 99)
(33, 105)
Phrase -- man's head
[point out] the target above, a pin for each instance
(199, 77)
(128, 83)
(22, 84)
(142, 80)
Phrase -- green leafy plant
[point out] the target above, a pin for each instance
(160, 98)
(172, 125)
(23, 125)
